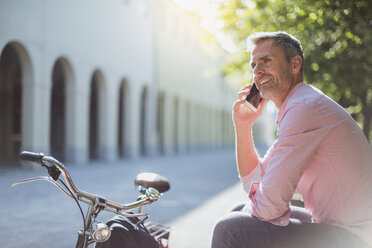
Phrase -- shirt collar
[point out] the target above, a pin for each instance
(283, 107)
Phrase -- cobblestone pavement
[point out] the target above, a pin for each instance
(203, 186)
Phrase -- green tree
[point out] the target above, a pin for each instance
(336, 36)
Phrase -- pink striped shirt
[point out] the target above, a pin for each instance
(321, 151)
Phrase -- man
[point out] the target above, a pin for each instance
(319, 150)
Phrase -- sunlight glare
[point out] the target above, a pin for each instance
(208, 11)
(192, 5)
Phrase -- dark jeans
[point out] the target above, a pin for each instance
(238, 229)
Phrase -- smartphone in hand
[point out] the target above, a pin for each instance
(254, 98)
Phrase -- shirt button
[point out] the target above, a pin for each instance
(281, 222)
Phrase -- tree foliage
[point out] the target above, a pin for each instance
(336, 36)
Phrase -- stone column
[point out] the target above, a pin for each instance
(169, 124)
(151, 117)
(109, 120)
(36, 87)
(78, 100)
(134, 108)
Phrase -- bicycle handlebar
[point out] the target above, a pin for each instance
(31, 157)
(86, 197)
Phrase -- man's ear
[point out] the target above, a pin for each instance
(296, 64)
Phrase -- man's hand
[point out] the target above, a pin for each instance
(244, 117)
(242, 114)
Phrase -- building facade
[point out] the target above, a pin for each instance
(85, 80)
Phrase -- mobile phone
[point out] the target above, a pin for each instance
(254, 98)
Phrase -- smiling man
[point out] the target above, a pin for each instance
(320, 151)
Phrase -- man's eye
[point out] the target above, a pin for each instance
(266, 60)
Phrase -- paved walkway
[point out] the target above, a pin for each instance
(203, 187)
(195, 228)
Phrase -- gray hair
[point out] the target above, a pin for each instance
(288, 43)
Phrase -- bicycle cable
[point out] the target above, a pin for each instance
(81, 210)
(77, 202)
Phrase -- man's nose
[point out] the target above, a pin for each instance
(257, 70)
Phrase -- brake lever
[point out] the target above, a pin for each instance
(41, 178)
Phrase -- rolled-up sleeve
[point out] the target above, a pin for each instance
(299, 136)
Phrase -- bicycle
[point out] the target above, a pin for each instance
(150, 185)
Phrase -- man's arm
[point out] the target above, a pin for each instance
(246, 155)
(244, 118)
(299, 138)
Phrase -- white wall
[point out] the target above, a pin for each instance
(183, 70)
(148, 43)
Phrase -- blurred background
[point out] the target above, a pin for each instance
(112, 88)
(105, 80)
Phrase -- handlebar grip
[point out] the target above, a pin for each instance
(31, 157)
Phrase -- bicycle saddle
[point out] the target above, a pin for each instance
(153, 180)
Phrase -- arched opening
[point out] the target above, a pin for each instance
(95, 115)
(58, 112)
(160, 122)
(143, 121)
(123, 100)
(188, 126)
(175, 125)
(199, 126)
(226, 128)
(11, 78)
(193, 127)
